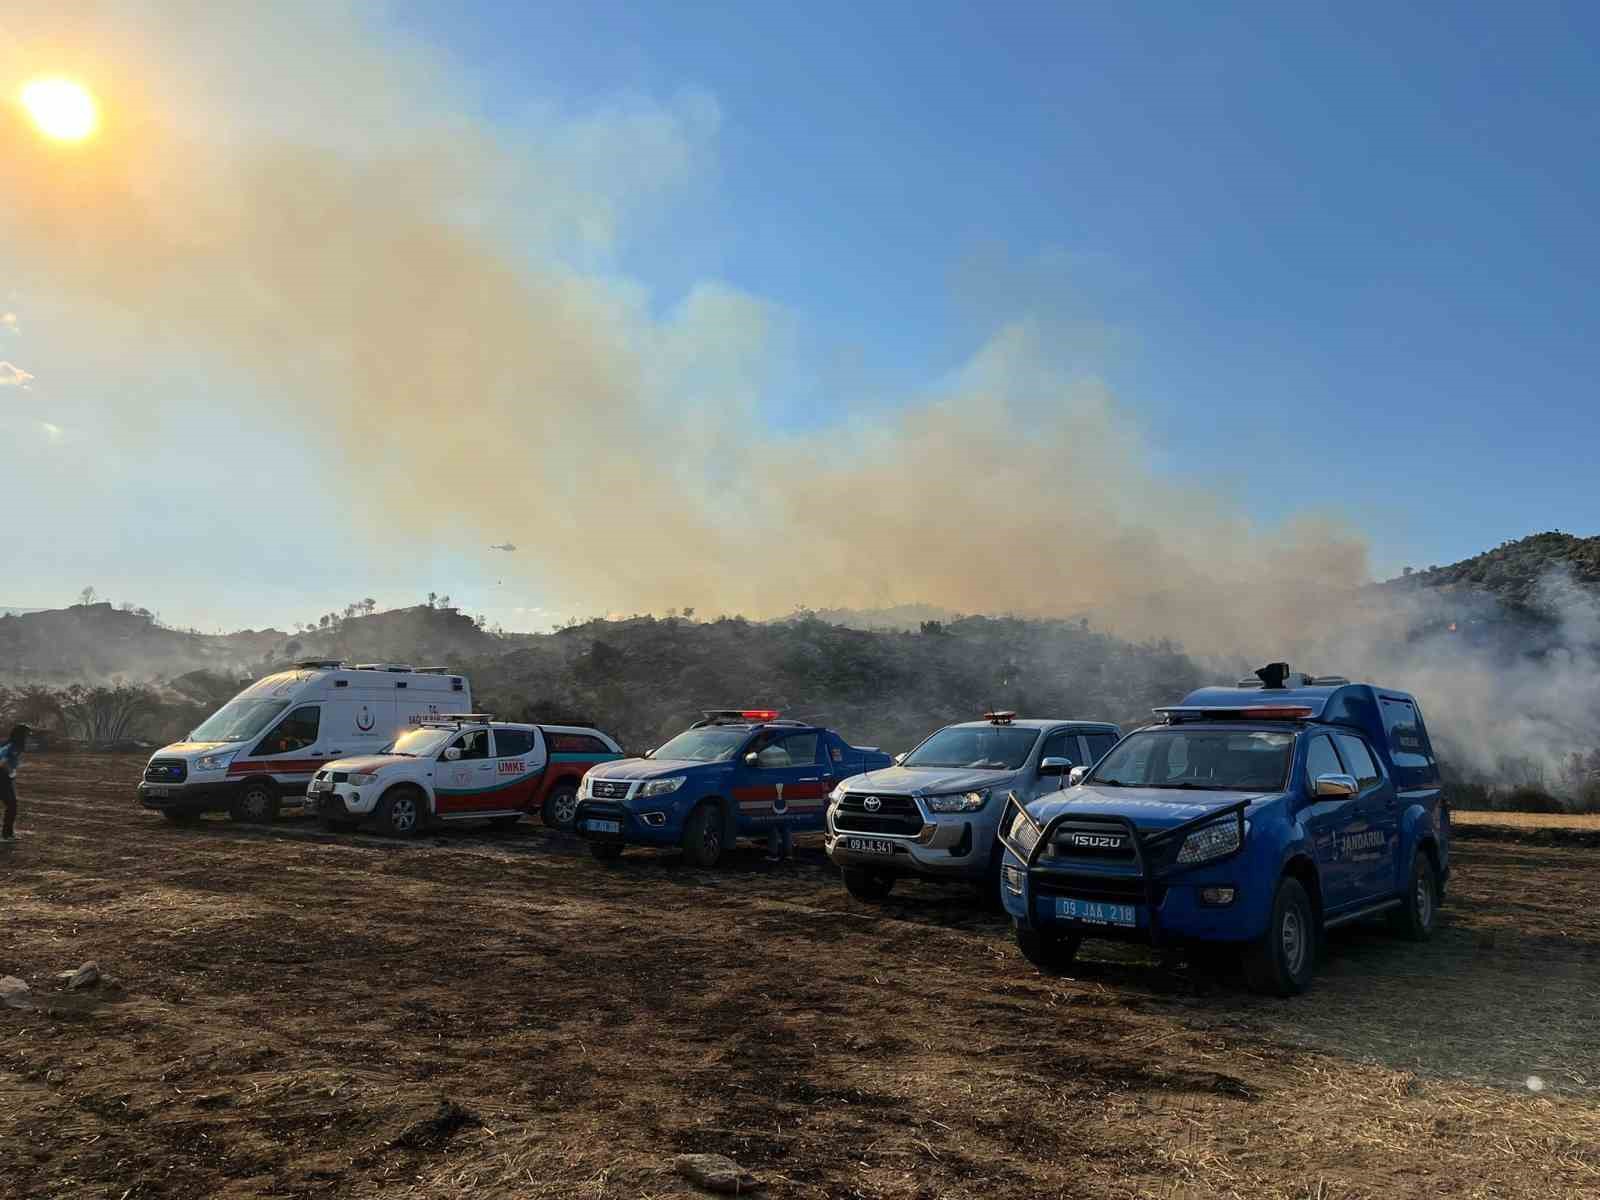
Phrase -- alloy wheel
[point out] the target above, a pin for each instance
(1292, 935)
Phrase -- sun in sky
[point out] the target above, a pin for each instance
(61, 109)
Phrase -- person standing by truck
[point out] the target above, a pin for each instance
(10, 758)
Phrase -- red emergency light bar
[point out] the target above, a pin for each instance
(1004, 717)
(740, 714)
(1257, 712)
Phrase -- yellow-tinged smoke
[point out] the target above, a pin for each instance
(369, 281)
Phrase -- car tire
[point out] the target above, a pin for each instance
(256, 803)
(560, 807)
(1046, 950)
(606, 851)
(1419, 907)
(1282, 961)
(866, 885)
(702, 836)
(401, 812)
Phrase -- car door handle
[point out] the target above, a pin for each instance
(810, 779)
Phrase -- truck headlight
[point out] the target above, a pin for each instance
(956, 803)
(1210, 841)
(837, 794)
(661, 787)
(1024, 832)
(362, 779)
(214, 762)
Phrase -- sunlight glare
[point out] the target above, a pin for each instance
(61, 109)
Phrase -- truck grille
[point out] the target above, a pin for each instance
(1100, 843)
(166, 770)
(609, 789)
(894, 814)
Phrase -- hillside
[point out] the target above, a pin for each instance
(1504, 648)
(647, 678)
(421, 636)
(1516, 574)
(95, 642)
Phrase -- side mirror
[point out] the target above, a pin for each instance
(453, 753)
(752, 759)
(1051, 765)
(650, 753)
(1336, 787)
(1076, 776)
(899, 758)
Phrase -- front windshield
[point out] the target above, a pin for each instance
(1231, 760)
(419, 743)
(238, 720)
(704, 745)
(979, 747)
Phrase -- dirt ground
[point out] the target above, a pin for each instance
(481, 1014)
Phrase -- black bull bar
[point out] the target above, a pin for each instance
(1153, 853)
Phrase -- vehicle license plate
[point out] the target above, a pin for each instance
(1095, 912)
(603, 826)
(868, 845)
(160, 793)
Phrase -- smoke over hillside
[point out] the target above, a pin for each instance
(376, 285)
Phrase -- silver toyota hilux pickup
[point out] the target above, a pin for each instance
(934, 813)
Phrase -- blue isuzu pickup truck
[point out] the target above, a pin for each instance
(736, 773)
(1258, 815)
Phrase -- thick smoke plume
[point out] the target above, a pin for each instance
(321, 223)
(374, 291)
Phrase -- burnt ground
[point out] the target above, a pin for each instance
(496, 1015)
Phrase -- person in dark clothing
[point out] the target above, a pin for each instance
(10, 758)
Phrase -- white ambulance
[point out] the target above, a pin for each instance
(261, 748)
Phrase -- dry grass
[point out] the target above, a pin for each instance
(295, 1009)
(1519, 820)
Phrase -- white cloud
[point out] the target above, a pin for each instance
(14, 376)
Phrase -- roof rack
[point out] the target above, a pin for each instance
(319, 664)
(397, 668)
(457, 719)
(1003, 717)
(432, 670)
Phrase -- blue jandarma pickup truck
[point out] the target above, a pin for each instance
(735, 774)
(1258, 815)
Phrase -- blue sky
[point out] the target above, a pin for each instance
(1335, 259)
(1348, 247)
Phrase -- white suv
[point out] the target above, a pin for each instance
(448, 769)
(934, 813)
